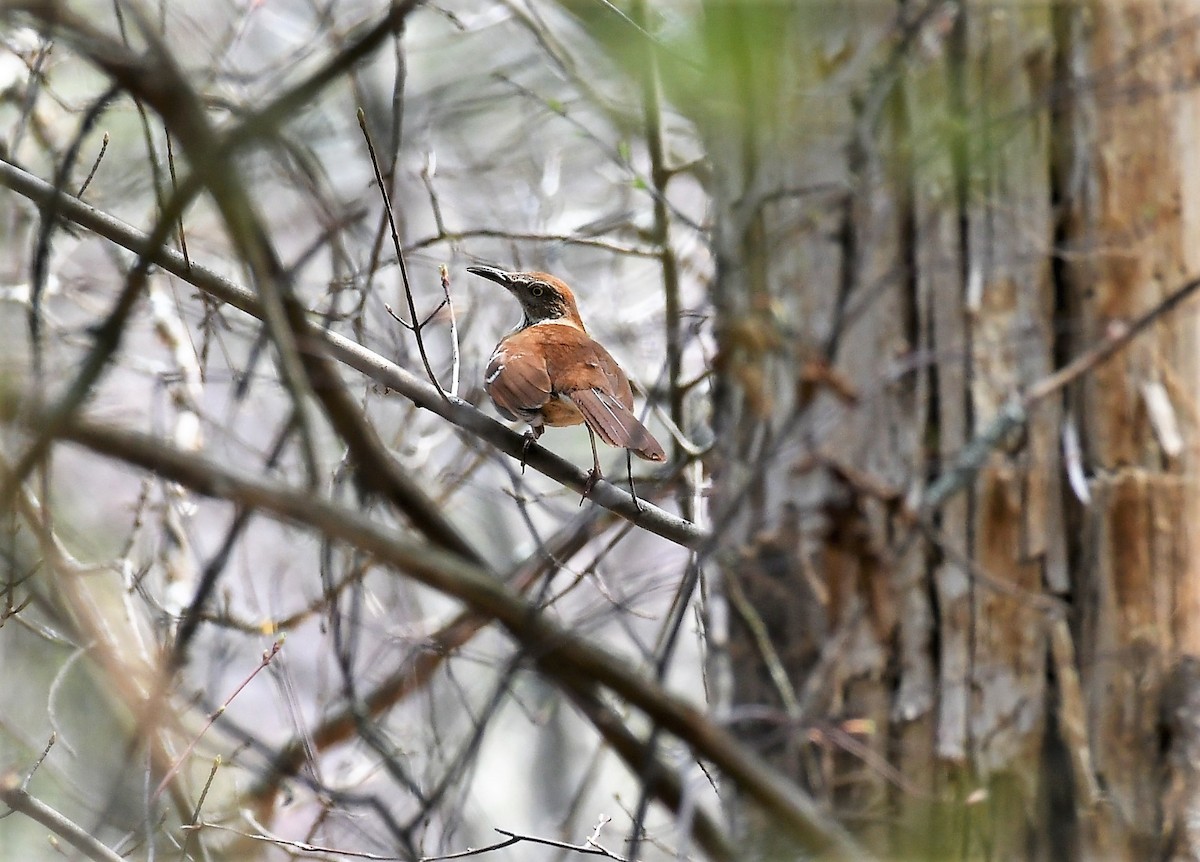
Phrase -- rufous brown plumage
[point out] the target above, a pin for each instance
(549, 371)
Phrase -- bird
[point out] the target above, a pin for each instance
(549, 372)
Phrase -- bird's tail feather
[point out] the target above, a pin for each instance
(616, 425)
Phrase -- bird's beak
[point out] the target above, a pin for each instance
(502, 278)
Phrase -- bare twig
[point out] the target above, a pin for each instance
(190, 833)
(444, 276)
(588, 848)
(15, 797)
(559, 653)
(454, 236)
(381, 370)
(266, 660)
(761, 639)
(45, 751)
(265, 837)
(175, 185)
(95, 166)
(415, 326)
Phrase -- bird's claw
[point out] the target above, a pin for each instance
(637, 504)
(593, 477)
(530, 439)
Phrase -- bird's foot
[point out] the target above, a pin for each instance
(632, 490)
(530, 439)
(593, 477)
(637, 504)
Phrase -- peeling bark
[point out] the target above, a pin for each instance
(987, 684)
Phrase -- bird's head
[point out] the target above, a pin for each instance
(543, 297)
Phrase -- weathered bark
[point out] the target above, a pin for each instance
(1132, 238)
(988, 682)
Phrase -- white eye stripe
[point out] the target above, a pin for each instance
(491, 378)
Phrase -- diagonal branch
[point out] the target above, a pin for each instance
(1016, 412)
(416, 672)
(12, 795)
(557, 652)
(349, 352)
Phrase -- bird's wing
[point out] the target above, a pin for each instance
(517, 384)
(605, 398)
(615, 424)
(521, 387)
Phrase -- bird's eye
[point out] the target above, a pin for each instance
(537, 290)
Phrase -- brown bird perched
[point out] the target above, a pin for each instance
(549, 371)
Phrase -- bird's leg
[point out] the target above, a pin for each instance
(531, 436)
(593, 474)
(629, 470)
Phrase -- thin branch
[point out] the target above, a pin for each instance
(588, 848)
(373, 365)
(559, 653)
(266, 837)
(175, 185)
(95, 166)
(191, 833)
(455, 363)
(267, 656)
(761, 639)
(414, 327)
(12, 795)
(524, 236)
(41, 758)
(1013, 415)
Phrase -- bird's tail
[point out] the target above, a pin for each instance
(616, 425)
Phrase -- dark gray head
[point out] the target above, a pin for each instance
(542, 296)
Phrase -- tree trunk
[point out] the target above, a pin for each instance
(1006, 677)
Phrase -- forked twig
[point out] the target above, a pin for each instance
(415, 327)
(590, 847)
(266, 660)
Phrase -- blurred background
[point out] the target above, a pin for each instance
(875, 270)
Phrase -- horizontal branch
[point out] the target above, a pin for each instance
(353, 354)
(525, 236)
